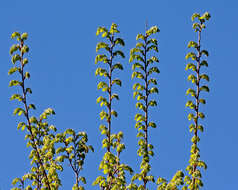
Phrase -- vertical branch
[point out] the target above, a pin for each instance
(110, 92)
(24, 49)
(140, 54)
(110, 162)
(197, 98)
(195, 181)
(75, 149)
(29, 127)
(146, 103)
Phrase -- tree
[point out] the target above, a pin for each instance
(49, 148)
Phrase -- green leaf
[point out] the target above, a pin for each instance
(153, 81)
(204, 63)
(139, 45)
(205, 77)
(102, 72)
(139, 117)
(140, 36)
(82, 179)
(203, 101)
(101, 30)
(192, 78)
(191, 92)
(102, 45)
(16, 97)
(103, 101)
(140, 106)
(137, 75)
(117, 66)
(13, 49)
(116, 81)
(152, 103)
(15, 34)
(190, 66)
(195, 139)
(31, 106)
(113, 112)
(102, 127)
(152, 154)
(153, 41)
(190, 116)
(190, 104)
(161, 180)
(152, 47)
(200, 127)
(13, 70)
(16, 180)
(60, 158)
(33, 120)
(118, 52)
(119, 41)
(29, 90)
(152, 30)
(138, 86)
(27, 75)
(205, 52)
(201, 115)
(14, 83)
(49, 111)
(140, 97)
(18, 111)
(191, 127)
(205, 16)
(25, 49)
(137, 65)
(196, 26)
(21, 125)
(103, 115)
(204, 88)
(136, 57)
(101, 58)
(135, 94)
(153, 70)
(136, 50)
(195, 15)
(191, 55)
(152, 124)
(152, 60)
(103, 86)
(25, 61)
(153, 90)
(24, 36)
(113, 29)
(15, 58)
(115, 96)
(192, 44)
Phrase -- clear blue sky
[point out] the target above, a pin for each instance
(62, 50)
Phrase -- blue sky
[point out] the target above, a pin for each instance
(62, 44)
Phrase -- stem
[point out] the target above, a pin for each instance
(116, 169)
(110, 98)
(146, 106)
(197, 98)
(110, 95)
(38, 177)
(73, 163)
(34, 143)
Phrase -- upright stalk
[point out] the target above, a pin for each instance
(111, 166)
(39, 134)
(142, 64)
(194, 181)
(24, 49)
